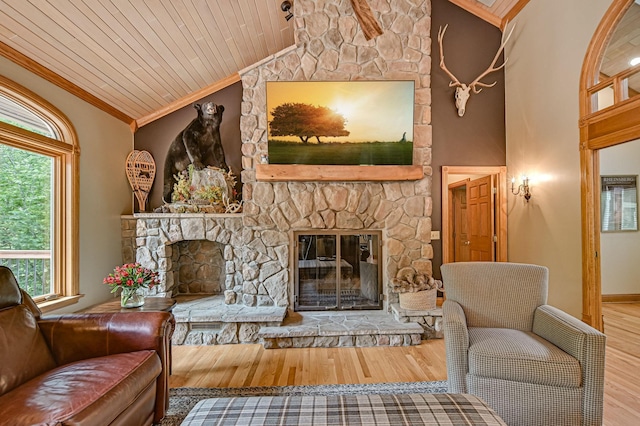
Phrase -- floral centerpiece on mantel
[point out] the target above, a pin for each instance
(210, 190)
(416, 291)
(131, 278)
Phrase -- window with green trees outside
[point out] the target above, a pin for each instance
(25, 217)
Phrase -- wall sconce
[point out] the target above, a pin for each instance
(286, 7)
(524, 188)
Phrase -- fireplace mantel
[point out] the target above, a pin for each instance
(181, 215)
(309, 173)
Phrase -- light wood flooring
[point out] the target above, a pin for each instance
(252, 365)
(622, 365)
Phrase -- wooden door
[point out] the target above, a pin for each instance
(454, 176)
(480, 213)
(460, 225)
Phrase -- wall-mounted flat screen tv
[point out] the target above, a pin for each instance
(340, 122)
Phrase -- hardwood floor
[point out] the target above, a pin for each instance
(252, 365)
(622, 365)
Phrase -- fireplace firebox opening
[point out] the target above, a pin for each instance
(337, 270)
(198, 267)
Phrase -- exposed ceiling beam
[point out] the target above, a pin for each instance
(368, 22)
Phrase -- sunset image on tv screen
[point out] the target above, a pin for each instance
(334, 123)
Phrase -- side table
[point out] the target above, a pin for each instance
(150, 304)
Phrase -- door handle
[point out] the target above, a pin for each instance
(467, 243)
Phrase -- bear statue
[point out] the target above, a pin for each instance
(198, 144)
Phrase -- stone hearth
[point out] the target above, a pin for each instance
(340, 329)
(430, 321)
(209, 321)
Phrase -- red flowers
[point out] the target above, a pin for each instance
(132, 276)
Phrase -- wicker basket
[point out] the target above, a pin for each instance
(419, 301)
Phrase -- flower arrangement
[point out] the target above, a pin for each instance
(210, 194)
(210, 190)
(130, 277)
(182, 189)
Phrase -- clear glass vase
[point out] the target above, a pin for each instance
(131, 298)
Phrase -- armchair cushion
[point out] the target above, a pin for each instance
(75, 392)
(520, 356)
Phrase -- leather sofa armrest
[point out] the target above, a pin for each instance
(456, 339)
(72, 337)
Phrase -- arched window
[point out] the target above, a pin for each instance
(38, 196)
(609, 115)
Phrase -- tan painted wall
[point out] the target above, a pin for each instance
(546, 54)
(105, 194)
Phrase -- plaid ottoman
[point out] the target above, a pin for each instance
(352, 410)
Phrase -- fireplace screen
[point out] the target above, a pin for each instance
(337, 271)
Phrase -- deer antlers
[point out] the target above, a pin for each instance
(454, 81)
(463, 90)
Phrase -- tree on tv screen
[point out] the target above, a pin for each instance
(306, 121)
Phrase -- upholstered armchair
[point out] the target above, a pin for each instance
(532, 363)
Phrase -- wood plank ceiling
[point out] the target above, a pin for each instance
(141, 59)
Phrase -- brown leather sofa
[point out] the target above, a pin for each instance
(80, 369)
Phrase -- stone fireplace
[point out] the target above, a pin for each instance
(257, 246)
(208, 254)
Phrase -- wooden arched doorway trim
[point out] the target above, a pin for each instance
(610, 126)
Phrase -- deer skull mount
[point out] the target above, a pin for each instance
(463, 91)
